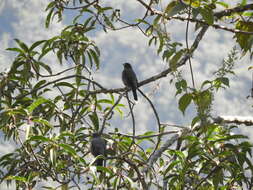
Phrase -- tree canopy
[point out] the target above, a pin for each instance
(51, 115)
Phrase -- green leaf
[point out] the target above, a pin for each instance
(207, 15)
(232, 137)
(224, 80)
(222, 4)
(206, 82)
(44, 52)
(22, 45)
(39, 84)
(243, 2)
(104, 169)
(174, 7)
(36, 44)
(15, 49)
(43, 122)
(94, 118)
(17, 178)
(106, 101)
(175, 58)
(39, 138)
(95, 57)
(85, 24)
(36, 103)
(195, 120)
(68, 148)
(193, 3)
(51, 5)
(218, 178)
(156, 20)
(129, 180)
(184, 102)
(46, 67)
(171, 166)
(64, 84)
(245, 41)
(49, 18)
(59, 56)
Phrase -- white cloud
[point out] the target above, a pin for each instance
(5, 57)
(2, 5)
(31, 21)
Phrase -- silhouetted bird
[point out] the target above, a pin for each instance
(98, 147)
(129, 79)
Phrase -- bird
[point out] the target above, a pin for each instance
(129, 79)
(98, 147)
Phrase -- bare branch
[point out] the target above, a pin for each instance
(237, 9)
(216, 26)
(146, 136)
(248, 121)
(165, 146)
(108, 113)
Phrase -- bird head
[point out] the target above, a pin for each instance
(96, 134)
(127, 65)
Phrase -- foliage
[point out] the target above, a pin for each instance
(51, 120)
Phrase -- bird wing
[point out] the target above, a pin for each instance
(98, 146)
(129, 78)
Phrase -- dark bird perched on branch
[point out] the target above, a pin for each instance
(129, 79)
(98, 147)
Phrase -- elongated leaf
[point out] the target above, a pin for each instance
(36, 103)
(64, 84)
(17, 178)
(68, 148)
(207, 15)
(43, 122)
(36, 44)
(15, 49)
(245, 41)
(39, 84)
(174, 7)
(46, 67)
(107, 170)
(184, 102)
(95, 57)
(44, 52)
(175, 58)
(49, 18)
(39, 138)
(94, 118)
(22, 45)
(224, 81)
(51, 5)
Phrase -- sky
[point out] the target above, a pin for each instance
(24, 19)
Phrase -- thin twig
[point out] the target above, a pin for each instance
(187, 43)
(109, 112)
(58, 80)
(165, 146)
(146, 136)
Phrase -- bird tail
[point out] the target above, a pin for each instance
(135, 94)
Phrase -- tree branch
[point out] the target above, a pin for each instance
(165, 146)
(146, 136)
(248, 121)
(237, 9)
